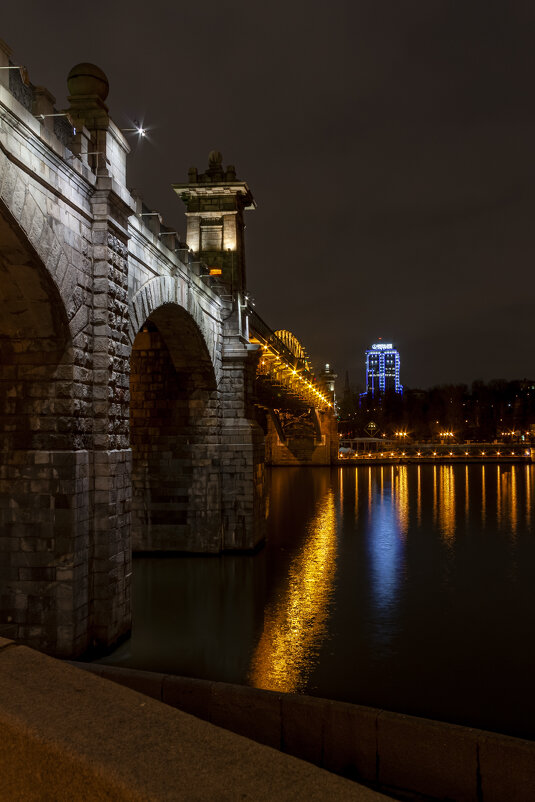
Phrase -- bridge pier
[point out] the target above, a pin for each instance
(242, 451)
(174, 430)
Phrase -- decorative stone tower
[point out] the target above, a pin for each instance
(215, 202)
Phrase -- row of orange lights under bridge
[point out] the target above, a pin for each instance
(272, 362)
(387, 454)
(440, 434)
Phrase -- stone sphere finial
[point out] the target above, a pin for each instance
(88, 79)
(215, 158)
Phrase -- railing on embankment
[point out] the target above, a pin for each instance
(388, 751)
(433, 453)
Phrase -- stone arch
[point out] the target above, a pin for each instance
(41, 515)
(159, 292)
(26, 203)
(174, 431)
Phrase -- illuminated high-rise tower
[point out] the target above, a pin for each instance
(382, 369)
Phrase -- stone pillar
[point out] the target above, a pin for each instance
(111, 550)
(242, 450)
(215, 203)
(43, 103)
(5, 58)
(110, 545)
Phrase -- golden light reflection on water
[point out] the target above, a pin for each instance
(446, 516)
(419, 496)
(356, 494)
(528, 494)
(499, 496)
(435, 495)
(295, 623)
(401, 499)
(513, 501)
(483, 497)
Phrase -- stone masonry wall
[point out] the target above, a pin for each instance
(242, 450)
(172, 493)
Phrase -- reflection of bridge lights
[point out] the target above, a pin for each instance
(295, 623)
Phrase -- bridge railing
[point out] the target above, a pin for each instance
(280, 366)
(267, 336)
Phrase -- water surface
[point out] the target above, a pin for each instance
(410, 588)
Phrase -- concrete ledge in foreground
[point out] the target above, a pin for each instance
(70, 735)
(386, 750)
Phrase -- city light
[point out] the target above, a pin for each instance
(138, 129)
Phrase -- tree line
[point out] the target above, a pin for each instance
(496, 410)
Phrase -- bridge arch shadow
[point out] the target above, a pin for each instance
(174, 436)
(43, 565)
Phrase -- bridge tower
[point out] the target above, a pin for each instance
(215, 202)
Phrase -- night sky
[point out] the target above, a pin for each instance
(389, 146)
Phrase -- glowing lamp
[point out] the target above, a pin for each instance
(215, 271)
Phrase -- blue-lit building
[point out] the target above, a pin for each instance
(382, 369)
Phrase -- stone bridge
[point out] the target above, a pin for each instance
(127, 370)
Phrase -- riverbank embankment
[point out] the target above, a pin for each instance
(392, 752)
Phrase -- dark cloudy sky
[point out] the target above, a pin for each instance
(389, 145)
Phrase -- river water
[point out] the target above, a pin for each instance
(409, 588)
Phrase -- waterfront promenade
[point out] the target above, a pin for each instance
(365, 450)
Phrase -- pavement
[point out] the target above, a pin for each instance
(67, 734)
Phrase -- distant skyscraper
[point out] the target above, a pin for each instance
(382, 369)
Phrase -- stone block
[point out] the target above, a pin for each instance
(188, 694)
(303, 723)
(248, 711)
(349, 741)
(146, 682)
(507, 768)
(427, 757)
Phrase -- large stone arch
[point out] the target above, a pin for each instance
(174, 427)
(43, 504)
(30, 205)
(164, 290)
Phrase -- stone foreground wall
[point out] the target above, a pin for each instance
(411, 757)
